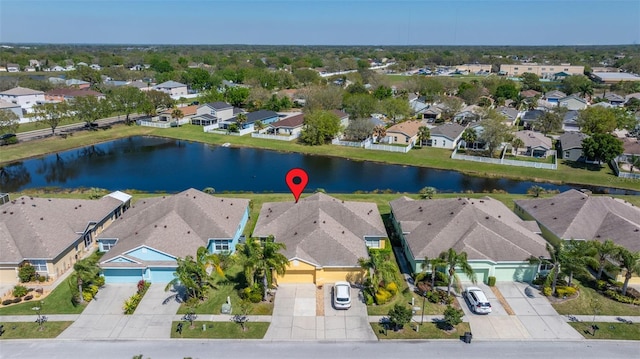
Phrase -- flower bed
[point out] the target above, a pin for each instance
(131, 304)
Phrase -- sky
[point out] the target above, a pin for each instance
(322, 22)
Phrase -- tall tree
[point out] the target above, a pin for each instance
(322, 98)
(320, 127)
(603, 147)
(359, 105)
(575, 258)
(156, 101)
(494, 131)
(517, 143)
(260, 259)
(9, 121)
(90, 108)
(549, 122)
(380, 132)
(457, 260)
(193, 277)
(241, 119)
(359, 129)
(576, 84)
(530, 81)
(236, 96)
(380, 269)
(177, 114)
(433, 264)
(395, 108)
(52, 114)
(630, 263)
(127, 100)
(469, 136)
(424, 134)
(596, 119)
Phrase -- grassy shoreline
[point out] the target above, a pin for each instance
(567, 173)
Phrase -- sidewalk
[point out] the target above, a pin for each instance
(600, 318)
(33, 317)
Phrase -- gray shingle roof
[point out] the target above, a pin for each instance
(176, 224)
(448, 130)
(571, 140)
(576, 215)
(21, 91)
(218, 105)
(484, 228)
(260, 115)
(170, 84)
(320, 229)
(43, 228)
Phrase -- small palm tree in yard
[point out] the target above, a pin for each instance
(434, 264)
(455, 260)
(630, 263)
(535, 191)
(424, 134)
(260, 259)
(241, 119)
(604, 251)
(177, 113)
(517, 143)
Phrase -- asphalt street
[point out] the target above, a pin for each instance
(238, 349)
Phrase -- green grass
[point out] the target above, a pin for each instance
(582, 305)
(220, 330)
(617, 331)
(228, 288)
(57, 302)
(30, 330)
(427, 331)
(424, 157)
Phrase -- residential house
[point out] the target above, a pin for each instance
(95, 67)
(12, 107)
(468, 114)
(530, 117)
(172, 88)
(13, 68)
(559, 76)
(405, 133)
(288, 126)
(496, 241)
(447, 135)
(569, 146)
(324, 237)
(343, 117)
(212, 113)
(580, 216)
(266, 117)
(24, 97)
(52, 234)
(147, 240)
(570, 121)
(554, 96)
(57, 68)
(75, 83)
(29, 69)
(432, 113)
(140, 85)
(510, 113)
(535, 144)
(630, 147)
(573, 102)
(530, 94)
(418, 105)
(67, 94)
(615, 99)
(187, 113)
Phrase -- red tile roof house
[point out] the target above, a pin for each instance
(53, 233)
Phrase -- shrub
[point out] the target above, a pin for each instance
(28, 297)
(368, 298)
(491, 281)
(621, 298)
(87, 296)
(20, 291)
(601, 285)
(42, 279)
(452, 316)
(400, 315)
(17, 300)
(7, 301)
(252, 294)
(99, 281)
(141, 285)
(540, 279)
(27, 273)
(131, 304)
(382, 296)
(565, 291)
(392, 288)
(546, 291)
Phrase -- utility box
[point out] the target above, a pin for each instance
(226, 308)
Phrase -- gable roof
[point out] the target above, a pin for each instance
(291, 121)
(573, 97)
(260, 115)
(529, 93)
(190, 110)
(341, 114)
(510, 112)
(555, 94)
(21, 91)
(534, 139)
(321, 230)
(484, 228)
(448, 130)
(532, 115)
(408, 128)
(218, 105)
(176, 224)
(576, 215)
(43, 228)
(614, 97)
(569, 140)
(5, 104)
(170, 84)
(631, 146)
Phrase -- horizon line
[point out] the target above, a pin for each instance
(303, 45)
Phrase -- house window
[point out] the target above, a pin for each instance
(221, 245)
(87, 240)
(107, 244)
(567, 154)
(39, 265)
(545, 267)
(372, 242)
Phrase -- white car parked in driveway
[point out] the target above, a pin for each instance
(342, 295)
(477, 300)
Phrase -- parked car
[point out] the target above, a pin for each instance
(477, 300)
(342, 295)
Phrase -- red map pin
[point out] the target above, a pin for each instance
(297, 180)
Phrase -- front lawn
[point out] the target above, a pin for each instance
(57, 302)
(618, 331)
(583, 305)
(30, 330)
(220, 330)
(428, 330)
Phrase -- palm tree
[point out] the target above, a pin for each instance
(380, 131)
(535, 191)
(629, 262)
(241, 119)
(381, 269)
(434, 264)
(86, 272)
(603, 252)
(424, 134)
(634, 161)
(575, 258)
(193, 277)
(258, 125)
(212, 262)
(177, 113)
(428, 192)
(517, 143)
(455, 260)
(469, 136)
(555, 257)
(261, 258)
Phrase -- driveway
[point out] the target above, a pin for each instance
(103, 318)
(294, 316)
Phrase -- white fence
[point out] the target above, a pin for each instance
(154, 124)
(362, 144)
(275, 137)
(502, 161)
(369, 145)
(621, 174)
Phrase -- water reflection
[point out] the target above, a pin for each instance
(166, 165)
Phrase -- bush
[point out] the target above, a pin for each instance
(20, 291)
(539, 280)
(491, 281)
(399, 315)
(17, 300)
(27, 273)
(368, 298)
(601, 285)
(621, 298)
(392, 288)
(252, 294)
(99, 281)
(28, 297)
(7, 301)
(565, 291)
(131, 304)
(87, 296)
(382, 296)
(452, 316)
(546, 291)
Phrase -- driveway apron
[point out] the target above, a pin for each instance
(294, 313)
(351, 324)
(152, 319)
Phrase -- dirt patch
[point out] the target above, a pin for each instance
(502, 301)
(320, 301)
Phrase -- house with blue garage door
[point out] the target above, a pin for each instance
(145, 242)
(497, 242)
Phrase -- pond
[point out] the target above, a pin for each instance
(153, 164)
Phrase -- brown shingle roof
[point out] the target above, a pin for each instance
(186, 110)
(576, 215)
(43, 228)
(484, 228)
(291, 121)
(320, 229)
(407, 128)
(21, 91)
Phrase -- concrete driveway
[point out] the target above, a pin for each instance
(294, 316)
(104, 319)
